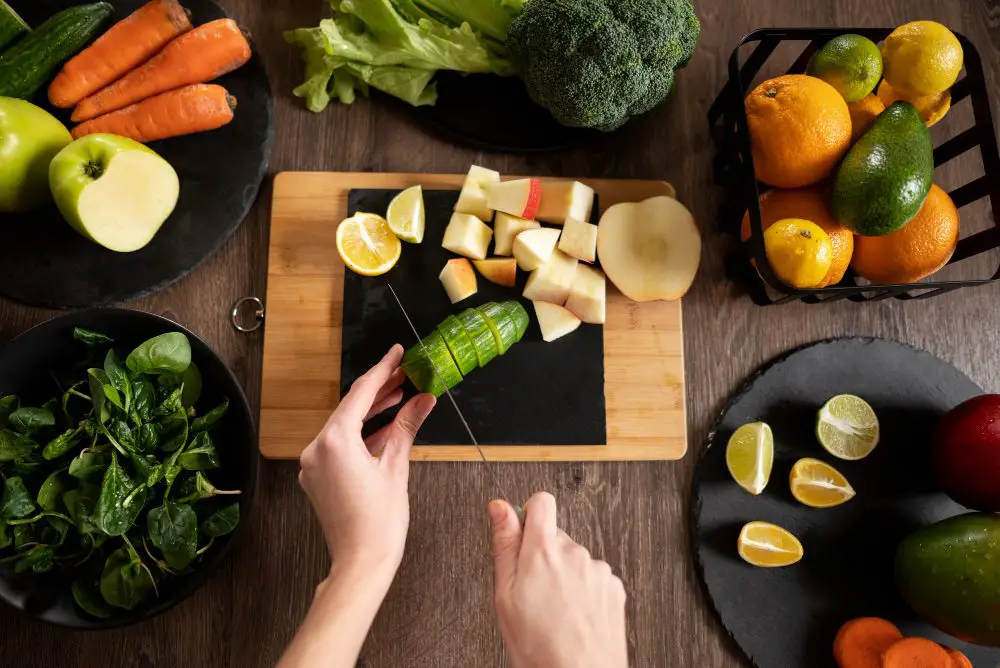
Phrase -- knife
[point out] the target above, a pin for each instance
(465, 423)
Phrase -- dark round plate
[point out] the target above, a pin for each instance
(43, 262)
(24, 366)
(788, 617)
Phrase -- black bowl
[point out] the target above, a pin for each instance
(24, 366)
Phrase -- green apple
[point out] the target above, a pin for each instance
(29, 138)
(113, 190)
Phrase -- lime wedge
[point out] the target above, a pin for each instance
(406, 215)
(847, 427)
(750, 455)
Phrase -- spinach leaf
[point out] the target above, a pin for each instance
(69, 394)
(144, 398)
(211, 418)
(190, 381)
(119, 379)
(166, 353)
(173, 528)
(90, 338)
(197, 487)
(111, 394)
(88, 596)
(24, 536)
(38, 560)
(148, 437)
(14, 447)
(51, 490)
(61, 444)
(97, 379)
(81, 504)
(117, 508)
(125, 582)
(223, 521)
(173, 431)
(16, 501)
(88, 466)
(123, 434)
(171, 404)
(8, 405)
(26, 420)
(55, 530)
(25, 468)
(5, 537)
(200, 455)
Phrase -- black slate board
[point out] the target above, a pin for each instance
(537, 394)
(788, 617)
(43, 262)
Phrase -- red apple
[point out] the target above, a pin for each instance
(967, 453)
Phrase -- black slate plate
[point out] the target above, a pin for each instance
(788, 617)
(538, 393)
(43, 262)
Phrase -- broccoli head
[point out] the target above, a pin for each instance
(598, 63)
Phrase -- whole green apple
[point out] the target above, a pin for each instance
(29, 138)
(114, 191)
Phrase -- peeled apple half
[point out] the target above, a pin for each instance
(651, 249)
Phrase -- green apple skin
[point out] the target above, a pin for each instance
(29, 138)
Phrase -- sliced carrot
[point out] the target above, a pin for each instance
(198, 56)
(916, 653)
(958, 660)
(184, 111)
(126, 45)
(861, 642)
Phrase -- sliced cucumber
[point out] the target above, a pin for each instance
(430, 366)
(502, 325)
(459, 345)
(518, 315)
(479, 332)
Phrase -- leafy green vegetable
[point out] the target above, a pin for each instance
(16, 501)
(27, 420)
(8, 405)
(222, 521)
(117, 508)
(119, 380)
(148, 437)
(98, 380)
(200, 455)
(91, 338)
(196, 487)
(89, 466)
(51, 490)
(88, 596)
(166, 353)
(37, 560)
(211, 418)
(172, 431)
(125, 582)
(144, 399)
(14, 447)
(173, 528)
(61, 444)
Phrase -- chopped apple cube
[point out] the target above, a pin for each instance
(533, 248)
(562, 200)
(555, 321)
(505, 228)
(468, 236)
(518, 198)
(579, 240)
(552, 281)
(472, 199)
(459, 279)
(588, 295)
(502, 271)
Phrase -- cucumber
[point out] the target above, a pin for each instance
(459, 345)
(430, 366)
(479, 332)
(520, 317)
(12, 26)
(29, 64)
(502, 325)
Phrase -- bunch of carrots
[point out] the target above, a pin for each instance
(145, 77)
(870, 642)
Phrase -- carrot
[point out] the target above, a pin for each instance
(126, 45)
(183, 111)
(861, 642)
(916, 653)
(198, 56)
(958, 660)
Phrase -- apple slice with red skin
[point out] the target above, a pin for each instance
(502, 271)
(459, 279)
(520, 197)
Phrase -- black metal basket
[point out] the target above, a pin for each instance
(733, 169)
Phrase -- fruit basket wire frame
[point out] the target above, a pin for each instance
(733, 169)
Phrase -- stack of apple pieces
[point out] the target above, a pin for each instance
(463, 343)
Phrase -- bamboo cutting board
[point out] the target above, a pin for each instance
(643, 343)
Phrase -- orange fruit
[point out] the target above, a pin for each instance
(809, 204)
(768, 546)
(863, 114)
(800, 128)
(932, 108)
(917, 250)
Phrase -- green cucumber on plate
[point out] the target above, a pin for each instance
(504, 330)
(520, 317)
(459, 345)
(430, 366)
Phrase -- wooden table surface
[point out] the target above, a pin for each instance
(634, 515)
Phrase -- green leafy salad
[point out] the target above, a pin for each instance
(108, 480)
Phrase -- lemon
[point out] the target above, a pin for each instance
(799, 252)
(406, 215)
(819, 485)
(367, 245)
(921, 58)
(932, 108)
(847, 427)
(768, 545)
(750, 455)
(850, 63)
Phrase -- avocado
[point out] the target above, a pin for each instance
(949, 573)
(885, 177)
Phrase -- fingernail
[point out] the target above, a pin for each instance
(497, 511)
(427, 404)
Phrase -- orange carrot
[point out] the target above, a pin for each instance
(198, 56)
(183, 111)
(861, 642)
(916, 653)
(126, 45)
(958, 660)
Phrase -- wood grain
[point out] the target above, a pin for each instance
(634, 514)
(643, 343)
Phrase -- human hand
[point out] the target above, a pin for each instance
(358, 487)
(557, 606)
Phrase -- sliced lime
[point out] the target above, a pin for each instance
(750, 456)
(406, 215)
(847, 427)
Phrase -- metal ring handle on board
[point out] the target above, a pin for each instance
(258, 314)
